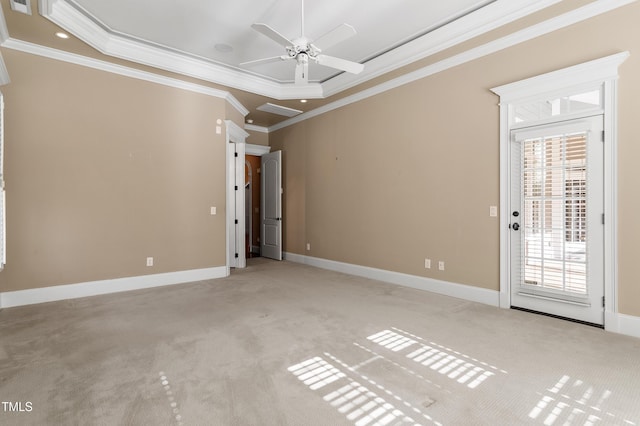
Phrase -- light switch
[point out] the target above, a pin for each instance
(493, 211)
(213, 211)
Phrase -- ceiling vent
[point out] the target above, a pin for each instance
(22, 6)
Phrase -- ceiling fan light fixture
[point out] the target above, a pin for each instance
(302, 49)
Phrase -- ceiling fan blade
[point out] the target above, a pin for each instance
(266, 30)
(341, 64)
(302, 72)
(335, 36)
(265, 61)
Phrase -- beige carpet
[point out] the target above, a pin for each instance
(286, 344)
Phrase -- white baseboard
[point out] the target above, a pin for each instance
(621, 323)
(617, 323)
(94, 288)
(461, 291)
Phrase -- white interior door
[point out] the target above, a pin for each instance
(271, 211)
(236, 207)
(557, 219)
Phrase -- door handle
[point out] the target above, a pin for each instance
(515, 226)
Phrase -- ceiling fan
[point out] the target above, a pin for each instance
(302, 49)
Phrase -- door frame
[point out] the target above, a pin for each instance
(587, 307)
(256, 151)
(235, 199)
(563, 82)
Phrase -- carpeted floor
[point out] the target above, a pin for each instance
(286, 344)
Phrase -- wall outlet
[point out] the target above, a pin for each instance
(149, 261)
(308, 246)
(441, 265)
(427, 263)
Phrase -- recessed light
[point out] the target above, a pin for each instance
(60, 34)
(223, 48)
(250, 121)
(304, 101)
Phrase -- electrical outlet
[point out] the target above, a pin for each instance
(427, 263)
(149, 261)
(441, 265)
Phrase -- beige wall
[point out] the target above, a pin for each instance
(104, 170)
(257, 138)
(411, 173)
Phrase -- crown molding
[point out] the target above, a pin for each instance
(578, 15)
(254, 128)
(257, 150)
(110, 43)
(84, 61)
(586, 74)
(465, 28)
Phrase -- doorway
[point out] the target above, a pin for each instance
(252, 205)
(236, 152)
(579, 91)
(557, 227)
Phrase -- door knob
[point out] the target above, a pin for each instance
(516, 214)
(515, 226)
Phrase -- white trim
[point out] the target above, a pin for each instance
(254, 128)
(47, 52)
(628, 325)
(4, 31)
(94, 288)
(553, 24)
(460, 291)
(542, 86)
(465, 28)
(109, 42)
(4, 35)
(258, 150)
(617, 323)
(235, 199)
(4, 73)
(603, 71)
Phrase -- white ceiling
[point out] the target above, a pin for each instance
(181, 36)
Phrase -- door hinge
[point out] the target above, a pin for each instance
(602, 136)
(237, 255)
(235, 154)
(236, 221)
(236, 187)
(603, 218)
(603, 302)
